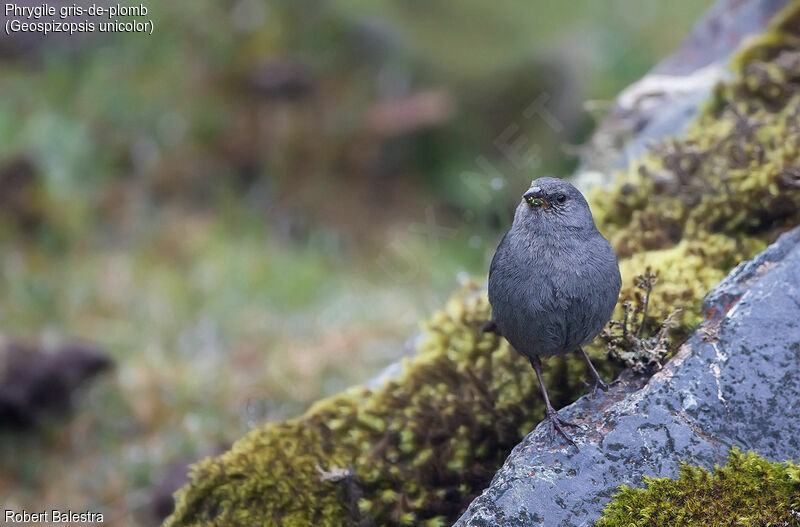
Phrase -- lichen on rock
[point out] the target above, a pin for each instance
(416, 450)
(749, 490)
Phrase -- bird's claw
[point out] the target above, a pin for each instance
(555, 423)
(599, 383)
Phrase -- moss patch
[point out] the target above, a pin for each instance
(749, 490)
(694, 207)
(417, 450)
(414, 452)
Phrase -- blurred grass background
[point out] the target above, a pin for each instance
(252, 208)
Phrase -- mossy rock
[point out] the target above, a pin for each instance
(413, 452)
(749, 490)
(418, 449)
(694, 207)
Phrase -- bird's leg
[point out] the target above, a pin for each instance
(555, 420)
(598, 381)
(490, 326)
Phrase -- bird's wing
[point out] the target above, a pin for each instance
(498, 292)
(499, 254)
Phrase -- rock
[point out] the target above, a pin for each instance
(732, 383)
(420, 446)
(718, 33)
(666, 100)
(35, 384)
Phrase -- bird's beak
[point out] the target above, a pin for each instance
(534, 196)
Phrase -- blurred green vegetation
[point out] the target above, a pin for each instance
(253, 207)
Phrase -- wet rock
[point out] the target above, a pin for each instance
(733, 383)
(37, 384)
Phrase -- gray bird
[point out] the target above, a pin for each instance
(554, 280)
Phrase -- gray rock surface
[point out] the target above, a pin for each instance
(718, 33)
(735, 382)
(666, 100)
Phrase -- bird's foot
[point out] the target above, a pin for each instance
(556, 421)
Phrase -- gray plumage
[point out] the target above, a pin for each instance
(554, 280)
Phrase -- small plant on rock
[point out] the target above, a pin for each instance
(634, 341)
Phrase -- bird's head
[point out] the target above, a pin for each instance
(553, 202)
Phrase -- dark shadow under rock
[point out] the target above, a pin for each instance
(733, 383)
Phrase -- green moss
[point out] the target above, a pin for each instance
(694, 207)
(420, 447)
(748, 491)
(417, 450)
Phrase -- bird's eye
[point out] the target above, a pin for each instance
(561, 198)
